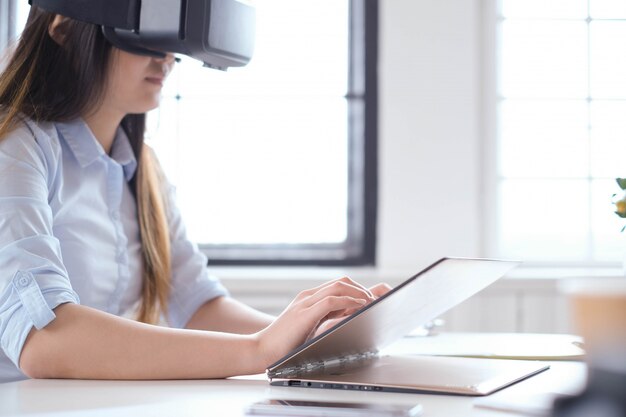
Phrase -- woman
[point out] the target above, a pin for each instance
(89, 233)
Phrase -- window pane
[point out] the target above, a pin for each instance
(544, 220)
(544, 59)
(13, 15)
(563, 9)
(607, 9)
(562, 129)
(608, 243)
(294, 54)
(608, 139)
(162, 136)
(22, 14)
(544, 138)
(265, 177)
(608, 59)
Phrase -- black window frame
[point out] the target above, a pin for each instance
(359, 249)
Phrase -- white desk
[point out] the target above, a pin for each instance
(226, 398)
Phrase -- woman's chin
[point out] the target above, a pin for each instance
(147, 105)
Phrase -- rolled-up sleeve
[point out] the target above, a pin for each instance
(192, 285)
(33, 279)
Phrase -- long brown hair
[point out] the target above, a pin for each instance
(48, 82)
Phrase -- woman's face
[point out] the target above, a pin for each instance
(135, 81)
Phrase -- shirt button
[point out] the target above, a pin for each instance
(115, 215)
(24, 281)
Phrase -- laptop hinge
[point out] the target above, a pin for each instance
(334, 364)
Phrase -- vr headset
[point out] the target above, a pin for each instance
(220, 33)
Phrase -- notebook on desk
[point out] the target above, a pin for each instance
(347, 355)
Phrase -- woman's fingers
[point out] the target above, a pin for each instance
(338, 316)
(337, 288)
(381, 289)
(344, 287)
(327, 324)
(373, 292)
(331, 308)
(333, 303)
(344, 280)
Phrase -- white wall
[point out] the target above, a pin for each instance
(429, 138)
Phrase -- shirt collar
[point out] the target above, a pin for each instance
(123, 154)
(81, 141)
(87, 149)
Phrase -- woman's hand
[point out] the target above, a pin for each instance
(377, 290)
(309, 312)
(305, 313)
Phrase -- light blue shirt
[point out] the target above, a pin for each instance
(69, 233)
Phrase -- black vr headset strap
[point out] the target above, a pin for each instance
(109, 14)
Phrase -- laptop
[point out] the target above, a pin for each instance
(348, 355)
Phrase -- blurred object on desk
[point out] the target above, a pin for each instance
(599, 315)
(532, 346)
(535, 405)
(605, 396)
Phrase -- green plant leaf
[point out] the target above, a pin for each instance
(622, 215)
(621, 182)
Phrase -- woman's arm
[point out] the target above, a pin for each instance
(85, 343)
(224, 314)
(89, 344)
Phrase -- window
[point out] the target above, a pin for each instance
(13, 14)
(560, 120)
(274, 163)
(5, 24)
